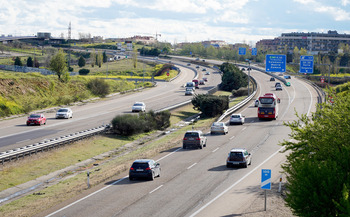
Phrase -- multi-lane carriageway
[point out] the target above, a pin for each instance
(193, 182)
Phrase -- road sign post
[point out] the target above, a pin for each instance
(275, 63)
(306, 64)
(265, 181)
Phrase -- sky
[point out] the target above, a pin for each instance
(234, 21)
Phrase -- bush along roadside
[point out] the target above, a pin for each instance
(128, 125)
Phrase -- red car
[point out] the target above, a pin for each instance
(36, 119)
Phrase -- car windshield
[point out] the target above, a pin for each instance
(138, 104)
(34, 116)
(191, 134)
(266, 100)
(63, 110)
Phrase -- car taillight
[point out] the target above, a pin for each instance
(185, 138)
(198, 138)
(148, 168)
(131, 168)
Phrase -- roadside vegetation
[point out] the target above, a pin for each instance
(318, 178)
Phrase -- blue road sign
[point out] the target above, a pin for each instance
(241, 51)
(190, 52)
(254, 51)
(266, 179)
(275, 63)
(306, 64)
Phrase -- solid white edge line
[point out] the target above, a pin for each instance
(155, 189)
(191, 166)
(232, 137)
(87, 196)
(57, 211)
(244, 128)
(234, 184)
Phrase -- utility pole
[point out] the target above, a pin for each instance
(69, 38)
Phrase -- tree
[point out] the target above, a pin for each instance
(30, 62)
(58, 64)
(104, 57)
(210, 105)
(36, 63)
(18, 61)
(232, 78)
(99, 58)
(318, 166)
(81, 61)
(93, 58)
(134, 59)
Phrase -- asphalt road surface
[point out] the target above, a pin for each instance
(196, 182)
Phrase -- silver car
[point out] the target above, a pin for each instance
(64, 113)
(239, 157)
(138, 107)
(218, 127)
(237, 119)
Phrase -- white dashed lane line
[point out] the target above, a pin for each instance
(191, 166)
(155, 189)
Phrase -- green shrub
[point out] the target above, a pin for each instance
(128, 125)
(84, 71)
(243, 91)
(98, 87)
(210, 105)
(70, 69)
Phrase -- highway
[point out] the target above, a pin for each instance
(14, 133)
(196, 182)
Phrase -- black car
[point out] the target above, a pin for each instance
(272, 79)
(144, 168)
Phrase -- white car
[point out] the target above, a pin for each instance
(138, 107)
(237, 119)
(189, 91)
(64, 113)
(218, 127)
(256, 103)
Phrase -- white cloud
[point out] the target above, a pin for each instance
(337, 13)
(345, 2)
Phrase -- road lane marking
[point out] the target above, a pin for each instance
(23, 141)
(244, 128)
(168, 154)
(102, 189)
(232, 137)
(191, 166)
(215, 150)
(234, 184)
(156, 189)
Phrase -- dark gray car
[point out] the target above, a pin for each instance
(144, 168)
(194, 138)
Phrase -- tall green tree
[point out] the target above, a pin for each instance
(30, 62)
(233, 78)
(81, 61)
(104, 57)
(18, 62)
(93, 58)
(318, 167)
(58, 64)
(99, 58)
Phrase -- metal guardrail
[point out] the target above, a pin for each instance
(49, 144)
(239, 105)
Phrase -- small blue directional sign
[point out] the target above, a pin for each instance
(254, 51)
(242, 51)
(266, 179)
(190, 52)
(275, 63)
(306, 64)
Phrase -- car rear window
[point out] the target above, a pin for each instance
(191, 134)
(140, 165)
(138, 104)
(236, 156)
(235, 116)
(218, 124)
(34, 116)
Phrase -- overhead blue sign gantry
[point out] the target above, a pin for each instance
(275, 63)
(242, 51)
(254, 51)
